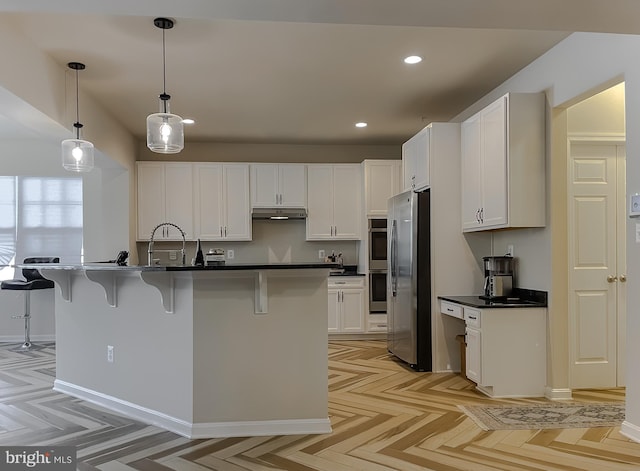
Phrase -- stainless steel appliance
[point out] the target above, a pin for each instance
(498, 277)
(377, 266)
(409, 279)
(378, 244)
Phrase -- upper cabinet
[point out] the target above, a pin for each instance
(334, 201)
(503, 164)
(415, 161)
(274, 185)
(164, 195)
(222, 204)
(381, 181)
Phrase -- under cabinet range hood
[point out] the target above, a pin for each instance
(279, 213)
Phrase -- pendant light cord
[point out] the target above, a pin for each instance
(77, 123)
(164, 73)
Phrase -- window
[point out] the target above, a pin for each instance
(40, 216)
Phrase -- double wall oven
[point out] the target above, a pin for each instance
(377, 266)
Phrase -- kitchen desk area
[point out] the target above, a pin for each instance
(505, 341)
(214, 351)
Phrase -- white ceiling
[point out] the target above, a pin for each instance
(304, 71)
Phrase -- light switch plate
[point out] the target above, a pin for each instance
(634, 206)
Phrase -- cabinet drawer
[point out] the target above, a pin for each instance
(377, 323)
(343, 282)
(472, 317)
(450, 309)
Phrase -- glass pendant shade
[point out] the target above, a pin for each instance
(165, 132)
(77, 155)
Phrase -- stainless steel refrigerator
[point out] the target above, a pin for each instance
(409, 279)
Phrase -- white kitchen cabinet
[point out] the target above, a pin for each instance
(222, 202)
(165, 195)
(334, 201)
(415, 161)
(506, 352)
(274, 185)
(503, 164)
(381, 182)
(346, 305)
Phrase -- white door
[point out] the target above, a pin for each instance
(597, 268)
(334, 310)
(347, 197)
(494, 164)
(292, 180)
(151, 193)
(471, 173)
(208, 201)
(264, 185)
(178, 180)
(320, 202)
(473, 354)
(237, 205)
(352, 301)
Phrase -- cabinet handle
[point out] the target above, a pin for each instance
(612, 278)
(623, 278)
(478, 215)
(449, 309)
(225, 231)
(481, 215)
(473, 318)
(220, 231)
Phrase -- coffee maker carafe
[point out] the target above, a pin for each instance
(498, 277)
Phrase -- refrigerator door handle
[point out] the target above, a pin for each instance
(394, 258)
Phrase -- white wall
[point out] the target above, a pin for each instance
(576, 68)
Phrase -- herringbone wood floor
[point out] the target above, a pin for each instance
(384, 417)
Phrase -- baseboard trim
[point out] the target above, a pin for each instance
(630, 431)
(195, 430)
(558, 394)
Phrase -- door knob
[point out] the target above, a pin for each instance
(623, 278)
(611, 278)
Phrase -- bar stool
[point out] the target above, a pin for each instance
(33, 280)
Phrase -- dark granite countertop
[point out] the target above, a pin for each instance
(520, 298)
(229, 266)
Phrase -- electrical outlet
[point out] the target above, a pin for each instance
(510, 250)
(321, 254)
(230, 254)
(173, 255)
(110, 353)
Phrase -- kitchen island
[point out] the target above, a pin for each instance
(218, 351)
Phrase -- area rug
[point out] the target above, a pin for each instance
(546, 416)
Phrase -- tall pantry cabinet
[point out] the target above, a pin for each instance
(503, 164)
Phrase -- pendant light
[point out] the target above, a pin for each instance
(77, 154)
(165, 131)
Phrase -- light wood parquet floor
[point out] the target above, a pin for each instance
(384, 417)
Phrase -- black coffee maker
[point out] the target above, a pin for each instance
(498, 277)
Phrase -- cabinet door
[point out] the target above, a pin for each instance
(237, 220)
(471, 173)
(292, 186)
(352, 301)
(334, 310)
(319, 202)
(178, 180)
(347, 206)
(474, 355)
(264, 185)
(409, 153)
(381, 182)
(151, 194)
(421, 160)
(208, 201)
(494, 164)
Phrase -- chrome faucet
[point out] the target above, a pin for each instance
(153, 233)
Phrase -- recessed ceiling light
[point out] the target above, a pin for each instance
(412, 59)
(188, 121)
(361, 125)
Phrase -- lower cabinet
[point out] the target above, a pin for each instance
(506, 349)
(346, 305)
